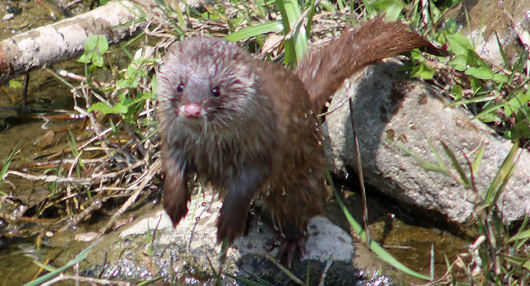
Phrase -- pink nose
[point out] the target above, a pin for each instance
(191, 110)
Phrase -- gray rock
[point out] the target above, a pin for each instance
(189, 251)
(388, 105)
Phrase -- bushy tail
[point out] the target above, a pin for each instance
(324, 71)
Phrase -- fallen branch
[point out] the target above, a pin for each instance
(94, 178)
(65, 40)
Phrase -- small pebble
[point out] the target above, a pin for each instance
(87, 236)
(8, 17)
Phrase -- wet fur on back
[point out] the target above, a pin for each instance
(250, 128)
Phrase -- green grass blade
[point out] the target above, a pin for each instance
(424, 164)
(374, 246)
(501, 51)
(7, 163)
(522, 235)
(523, 262)
(310, 19)
(253, 31)
(167, 13)
(475, 99)
(296, 46)
(81, 256)
(478, 159)
(489, 110)
(249, 282)
(435, 153)
(503, 175)
(465, 179)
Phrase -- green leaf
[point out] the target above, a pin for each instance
(459, 44)
(514, 104)
(127, 83)
(436, 13)
(126, 107)
(422, 70)
(15, 84)
(459, 62)
(482, 72)
(91, 42)
(394, 10)
(520, 129)
(95, 47)
(451, 26)
(104, 108)
(501, 78)
(457, 91)
(476, 84)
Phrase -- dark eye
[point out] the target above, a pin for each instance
(180, 87)
(216, 91)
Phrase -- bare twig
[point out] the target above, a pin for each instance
(79, 181)
(145, 179)
(325, 272)
(53, 178)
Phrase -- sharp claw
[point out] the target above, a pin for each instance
(301, 245)
(288, 247)
(281, 251)
(290, 255)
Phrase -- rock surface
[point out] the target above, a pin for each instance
(387, 106)
(183, 254)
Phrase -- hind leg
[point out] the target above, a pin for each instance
(291, 210)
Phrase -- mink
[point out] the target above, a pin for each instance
(250, 128)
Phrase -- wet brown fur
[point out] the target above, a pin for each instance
(260, 136)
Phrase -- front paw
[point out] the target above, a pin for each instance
(290, 242)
